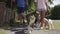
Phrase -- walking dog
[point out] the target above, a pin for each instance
(48, 24)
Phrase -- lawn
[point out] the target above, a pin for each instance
(1, 32)
(56, 24)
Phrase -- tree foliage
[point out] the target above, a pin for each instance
(55, 13)
(29, 4)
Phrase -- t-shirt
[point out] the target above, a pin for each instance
(20, 3)
(41, 4)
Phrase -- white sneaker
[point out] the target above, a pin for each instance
(29, 32)
(41, 27)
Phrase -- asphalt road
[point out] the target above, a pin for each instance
(24, 30)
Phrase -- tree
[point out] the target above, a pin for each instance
(55, 12)
(50, 1)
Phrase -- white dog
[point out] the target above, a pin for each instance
(48, 23)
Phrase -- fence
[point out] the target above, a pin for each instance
(6, 14)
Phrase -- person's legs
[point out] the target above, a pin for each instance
(42, 15)
(21, 14)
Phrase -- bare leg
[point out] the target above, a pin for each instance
(21, 16)
(42, 15)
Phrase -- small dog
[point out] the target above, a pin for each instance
(48, 23)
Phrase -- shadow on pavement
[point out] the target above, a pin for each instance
(21, 27)
(20, 32)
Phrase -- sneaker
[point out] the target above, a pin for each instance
(30, 31)
(41, 27)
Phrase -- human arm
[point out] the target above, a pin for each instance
(46, 3)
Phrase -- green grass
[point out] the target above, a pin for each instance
(56, 24)
(1, 32)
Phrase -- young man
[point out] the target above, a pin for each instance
(41, 7)
(20, 8)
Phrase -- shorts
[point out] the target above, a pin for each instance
(41, 10)
(20, 10)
